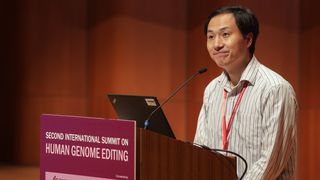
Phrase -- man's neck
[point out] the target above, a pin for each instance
(234, 79)
(235, 75)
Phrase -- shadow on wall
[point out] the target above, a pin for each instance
(11, 73)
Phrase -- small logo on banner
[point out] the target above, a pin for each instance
(56, 178)
(150, 102)
(63, 176)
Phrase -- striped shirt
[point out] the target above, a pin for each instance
(264, 127)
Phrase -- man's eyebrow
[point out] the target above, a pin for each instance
(219, 30)
(224, 28)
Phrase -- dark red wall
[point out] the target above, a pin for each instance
(64, 58)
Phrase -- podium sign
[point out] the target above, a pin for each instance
(73, 147)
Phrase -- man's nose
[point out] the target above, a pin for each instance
(218, 44)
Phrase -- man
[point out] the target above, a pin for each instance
(248, 109)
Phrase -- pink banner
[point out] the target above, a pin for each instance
(73, 147)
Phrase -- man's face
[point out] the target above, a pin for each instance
(225, 43)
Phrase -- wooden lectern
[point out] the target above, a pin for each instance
(160, 157)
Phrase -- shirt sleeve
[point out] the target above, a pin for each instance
(200, 136)
(279, 136)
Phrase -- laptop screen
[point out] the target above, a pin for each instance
(138, 108)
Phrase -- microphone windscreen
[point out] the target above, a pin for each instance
(202, 70)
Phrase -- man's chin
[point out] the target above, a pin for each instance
(222, 63)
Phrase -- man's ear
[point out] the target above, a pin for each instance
(249, 39)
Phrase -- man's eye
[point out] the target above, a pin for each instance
(225, 35)
(210, 37)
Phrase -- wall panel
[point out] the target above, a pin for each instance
(137, 48)
(309, 87)
(53, 58)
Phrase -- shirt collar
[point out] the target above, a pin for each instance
(249, 74)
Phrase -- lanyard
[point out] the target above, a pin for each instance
(226, 130)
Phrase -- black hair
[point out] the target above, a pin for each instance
(246, 21)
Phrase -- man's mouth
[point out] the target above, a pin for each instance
(221, 54)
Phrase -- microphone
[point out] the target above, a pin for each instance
(147, 121)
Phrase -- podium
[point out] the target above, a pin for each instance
(73, 147)
(162, 158)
